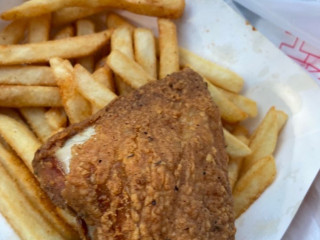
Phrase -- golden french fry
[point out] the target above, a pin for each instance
(85, 27)
(234, 167)
(76, 106)
(38, 122)
(74, 47)
(13, 33)
(39, 28)
(245, 104)
(235, 164)
(65, 32)
(27, 75)
(103, 75)
(69, 219)
(29, 96)
(20, 138)
(121, 40)
(13, 113)
(235, 147)
(22, 216)
(56, 118)
(251, 185)
(115, 21)
(98, 95)
(130, 71)
(228, 110)
(145, 50)
(70, 14)
(31, 189)
(162, 8)
(168, 45)
(216, 74)
(264, 139)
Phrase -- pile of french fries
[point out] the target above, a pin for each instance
(56, 70)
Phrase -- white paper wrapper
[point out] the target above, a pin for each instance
(300, 17)
(214, 31)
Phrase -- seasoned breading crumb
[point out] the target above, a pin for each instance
(155, 169)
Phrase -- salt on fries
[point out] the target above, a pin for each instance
(36, 101)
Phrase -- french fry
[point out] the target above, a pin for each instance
(27, 75)
(251, 185)
(103, 75)
(22, 216)
(145, 50)
(76, 106)
(68, 218)
(235, 164)
(39, 28)
(164, 8)
(13, 33)
(65, 32)
(31, 189)
(29, 96)
(56, 118)
(130, 71)
(121, 40)
(168, 45)
(74, 47)
(216, 74)
(234, 167)
(245, 104)
(235, 147)
(20, 138)
(114, 21)
(38, 122)
(264, 139)
(13, 113)
(71, 14)
(98, 95)
(228, 110)
(85, 27)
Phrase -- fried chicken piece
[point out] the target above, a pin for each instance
(151, 165)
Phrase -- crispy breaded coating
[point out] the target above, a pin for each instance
(156, 167)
